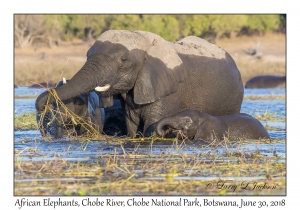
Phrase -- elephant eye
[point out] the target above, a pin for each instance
(123, 59)
(187, 119)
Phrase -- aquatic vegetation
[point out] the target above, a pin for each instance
(265, 97)
(25, 96)
(170, 172)
(25, 121)
(96, 164)
(269, 117)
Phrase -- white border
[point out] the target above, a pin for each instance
(154, 6)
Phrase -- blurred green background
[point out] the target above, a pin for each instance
(51, 46)
(65, 27)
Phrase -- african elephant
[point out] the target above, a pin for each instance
(267, 82)
(156, 78)
(85, 106)
(198, 125)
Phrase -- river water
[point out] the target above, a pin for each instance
(75, 151)
(252, 107)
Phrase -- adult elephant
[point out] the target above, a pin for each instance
(156, 78)
(267, 81)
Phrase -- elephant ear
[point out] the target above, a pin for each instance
(161, 74)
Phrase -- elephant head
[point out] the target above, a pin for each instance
(61, 122)
(183, 121)
(120, 61)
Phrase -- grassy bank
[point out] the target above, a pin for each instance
(52, 70)
(29, 72)
(32, 65)
(256, 67)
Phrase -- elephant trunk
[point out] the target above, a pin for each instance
(164, 122)
(86, 79)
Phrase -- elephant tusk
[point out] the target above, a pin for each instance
(73, 121)
(102, 89)
(64, 81)
(49, 123)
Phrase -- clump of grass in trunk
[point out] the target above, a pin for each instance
(25, 121)
(76, 120)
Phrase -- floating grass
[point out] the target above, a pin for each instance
(267, 116)
(172, 171)
(266, 97)
(165, 173)
(25, 121)
(25, 96)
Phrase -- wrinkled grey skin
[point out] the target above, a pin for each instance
(201, 126)
(267, 82)
(85, 106)
(156, 78)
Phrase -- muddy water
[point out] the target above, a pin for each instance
(73, 151)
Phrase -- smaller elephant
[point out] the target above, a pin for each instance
(197, 125)
(267, 82)
(60, 123)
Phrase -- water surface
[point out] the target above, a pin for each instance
(30, 146)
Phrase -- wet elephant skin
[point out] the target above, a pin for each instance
(197, 125)
(156, 78)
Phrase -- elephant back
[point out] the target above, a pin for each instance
(244, 126)
(153, 44)
(193, 45)
(213, 85)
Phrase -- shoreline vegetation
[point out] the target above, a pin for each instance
(49, 47)
(30, 69)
